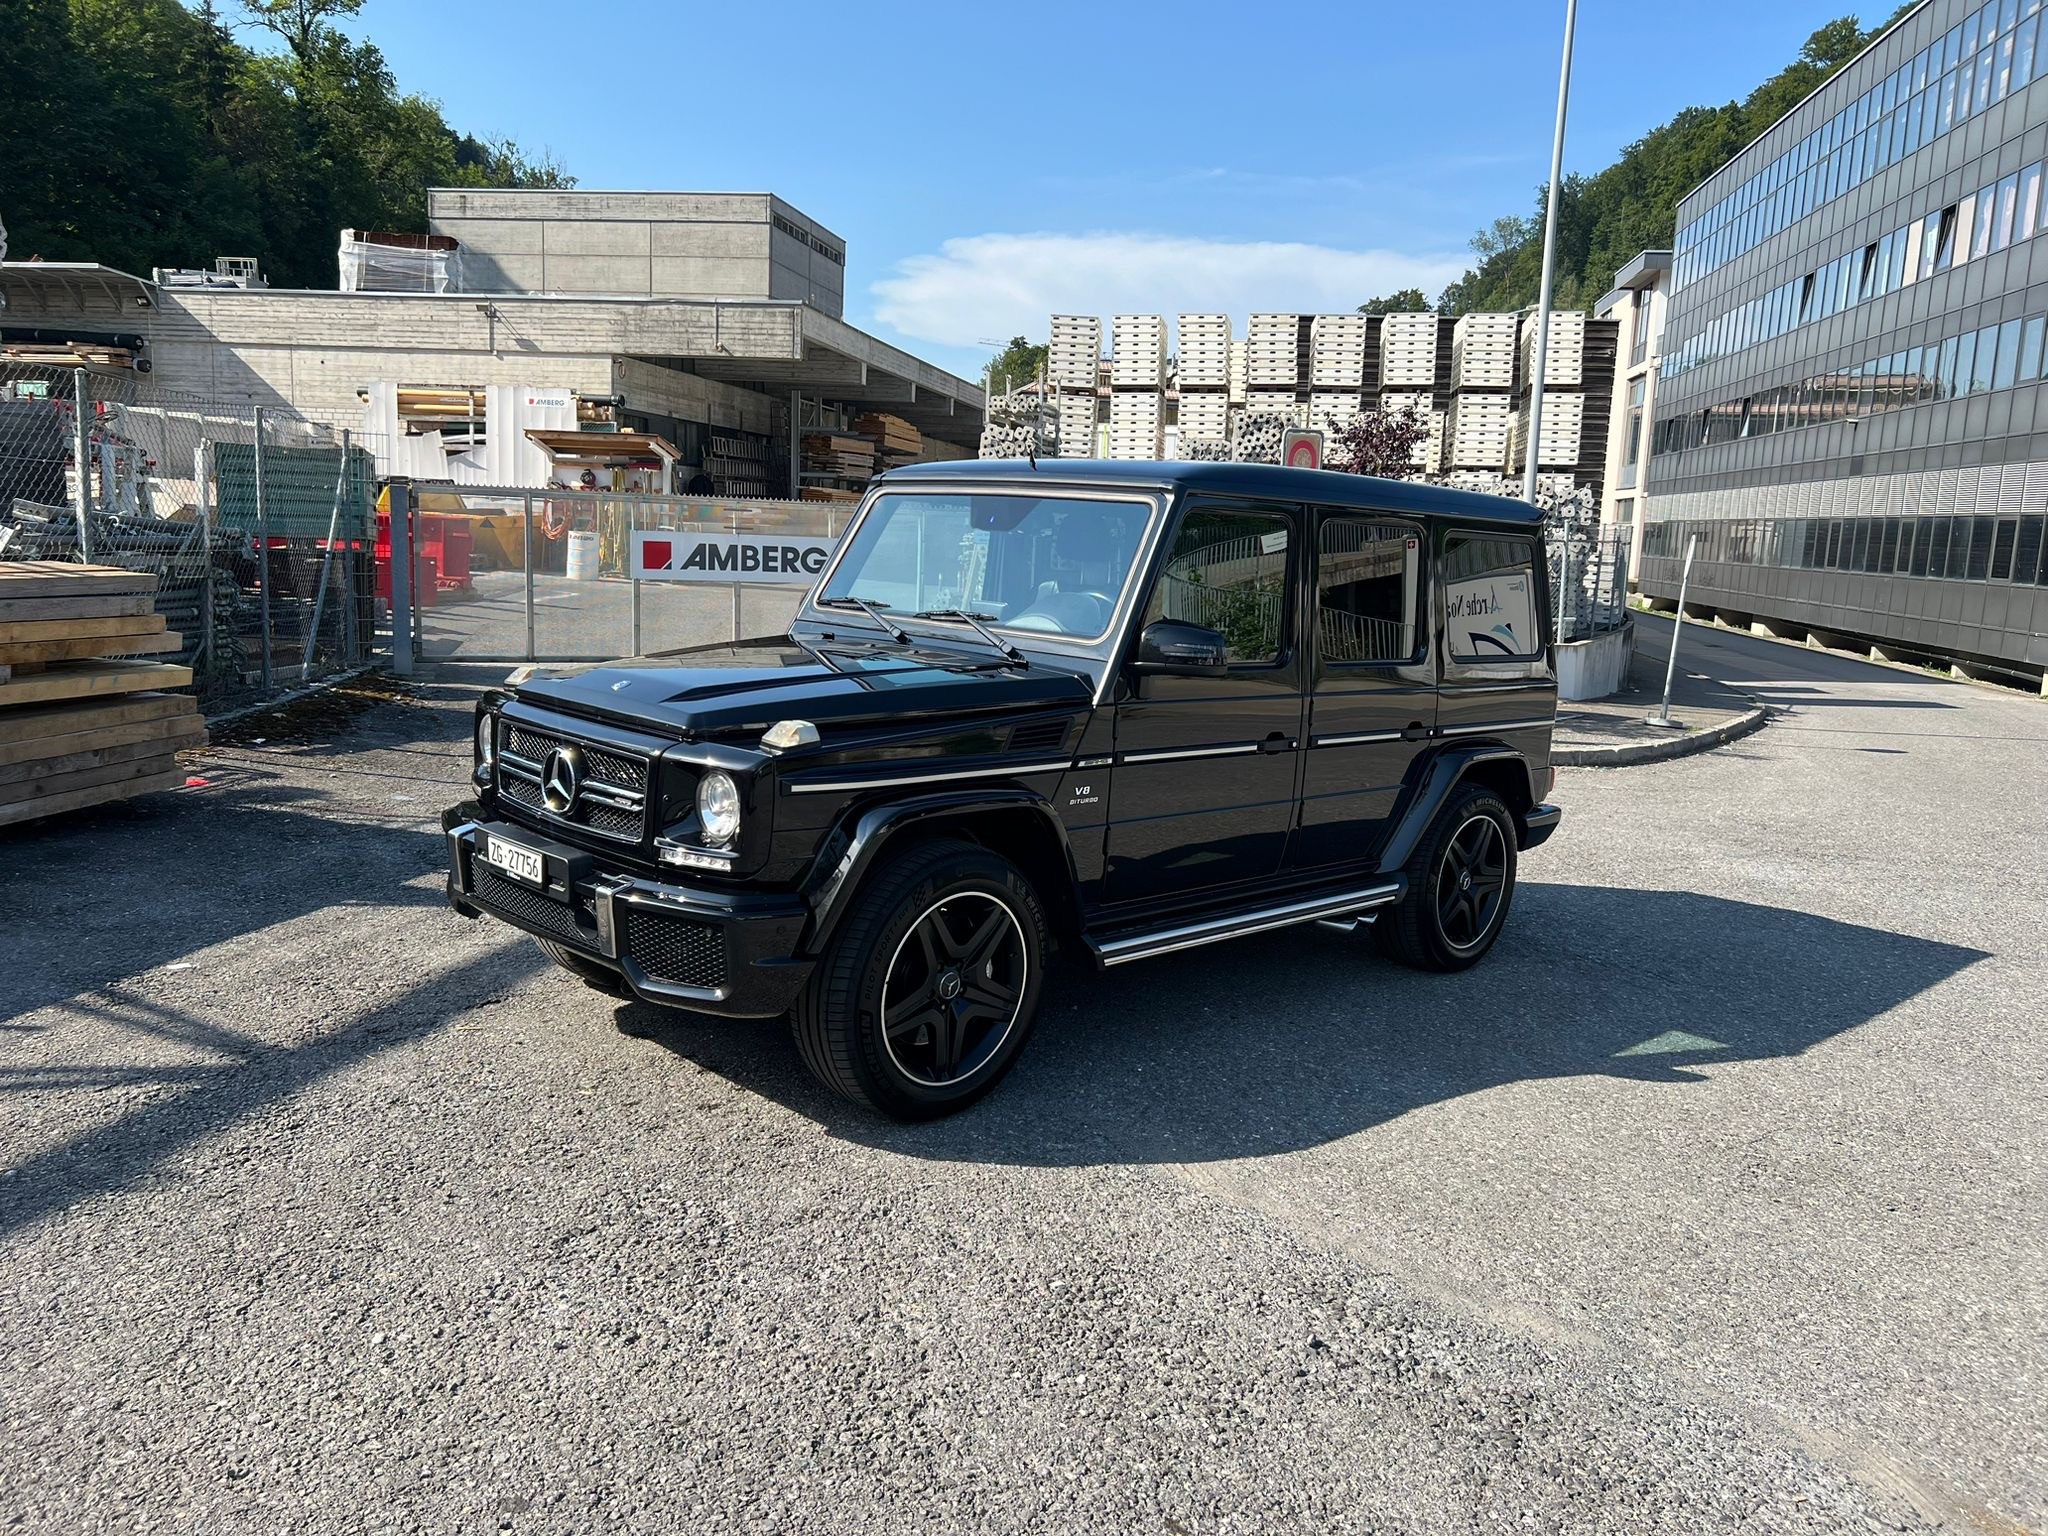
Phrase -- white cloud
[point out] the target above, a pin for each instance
(1003, 285)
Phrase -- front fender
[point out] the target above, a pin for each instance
(866, 835)
(1446, 770)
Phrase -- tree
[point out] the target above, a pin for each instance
(1016, 365)
(305, 25)
(1401, 301)
(1380, 442)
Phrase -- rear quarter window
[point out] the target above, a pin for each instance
(1490, 611)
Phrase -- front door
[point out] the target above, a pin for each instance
(1203, 792)
(1373, 704)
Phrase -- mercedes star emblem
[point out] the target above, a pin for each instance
(561, 775)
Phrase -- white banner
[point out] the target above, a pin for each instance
(764, 559)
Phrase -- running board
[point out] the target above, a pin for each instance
(1164, 941)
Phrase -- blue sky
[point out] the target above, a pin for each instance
(987, 164)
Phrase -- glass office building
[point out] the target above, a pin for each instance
(1852, 404)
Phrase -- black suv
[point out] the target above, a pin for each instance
(1134, 707)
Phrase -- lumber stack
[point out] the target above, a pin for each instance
(81, 720)
(896, 440)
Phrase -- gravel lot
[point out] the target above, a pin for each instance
(1713, 1201)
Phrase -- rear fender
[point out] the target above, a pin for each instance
(1443, 774)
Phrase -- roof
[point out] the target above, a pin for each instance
(564, 444)
(1267, 482)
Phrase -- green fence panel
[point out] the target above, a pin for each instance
(298, 490)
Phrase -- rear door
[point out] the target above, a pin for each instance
(1497, 677)
(1372, 706)
(1203, 793)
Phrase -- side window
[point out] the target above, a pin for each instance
(1366, 574)
(1227, 571)
(1490, 598)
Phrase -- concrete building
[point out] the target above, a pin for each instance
(1637, 305)
(712, 321)
(1852, 414)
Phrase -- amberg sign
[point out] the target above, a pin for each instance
(766, 559)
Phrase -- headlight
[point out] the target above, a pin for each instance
(486, 724)
(718, 807)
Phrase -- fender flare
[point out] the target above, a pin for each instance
(830, 891)
(1446, 771)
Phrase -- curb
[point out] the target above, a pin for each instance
(1660, 751)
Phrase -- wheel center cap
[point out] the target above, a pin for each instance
(1465, 882)
(948, 986)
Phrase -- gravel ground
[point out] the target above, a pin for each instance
(1711, 1202)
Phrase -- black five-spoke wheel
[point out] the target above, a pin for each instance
(1470, 880)
(1461, 880)
(954, 988)
(928, 989)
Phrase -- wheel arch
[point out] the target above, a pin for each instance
(1498, 768)
(1015, 824)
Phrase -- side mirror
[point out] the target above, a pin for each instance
(1171, 648)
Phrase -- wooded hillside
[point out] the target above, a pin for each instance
(144, 133)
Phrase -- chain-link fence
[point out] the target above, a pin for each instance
(256, 522)
(1589, 580)
(514, 574)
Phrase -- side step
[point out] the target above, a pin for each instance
(1236, 925)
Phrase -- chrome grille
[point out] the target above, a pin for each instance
(676, 950)
(613, 799)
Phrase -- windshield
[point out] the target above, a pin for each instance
(1040, 564)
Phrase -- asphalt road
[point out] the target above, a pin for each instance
(1712, 1201)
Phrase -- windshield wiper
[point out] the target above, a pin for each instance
(977, 620)
(894, 631)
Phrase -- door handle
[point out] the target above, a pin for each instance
(1277, 743)
(1416, 731)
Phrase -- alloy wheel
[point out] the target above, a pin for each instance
(954, 988)
(1471, 879)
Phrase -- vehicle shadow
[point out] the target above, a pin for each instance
(1292, 1039)
(91, 899)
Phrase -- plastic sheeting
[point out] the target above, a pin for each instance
(370, 266)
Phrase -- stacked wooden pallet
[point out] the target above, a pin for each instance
(1338, 352)
(1331, 411)
(78, 727)
(894, 438)
(1408, 351)
(1137, 352)
(1564, 420)
(1483, 352)
(1273, 352)
(1204, 352)
(1565, 367)
(844, 457)
(1074, 354)
(1476, 436)
(1135, 419)
(1077, 424)
(1240, 367)
(1204, 415)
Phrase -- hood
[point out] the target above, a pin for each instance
(746, 688)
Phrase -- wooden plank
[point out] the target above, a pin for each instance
(99, 794)
(46, 608)
(18, 726)
(190, 738)
(79, 679)
(35, 651)
(22, 631)
(43, 748)
(50, 578)
(84, 778)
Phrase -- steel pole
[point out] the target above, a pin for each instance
(1663, 715)
(1543, 292)
(81, 499)
(263, 553)
(399, 498)
(326, 563)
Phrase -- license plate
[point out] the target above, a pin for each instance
(520, 863)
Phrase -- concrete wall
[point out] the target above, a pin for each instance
(666, 244)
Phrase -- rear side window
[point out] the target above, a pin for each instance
(1490, 598)
(1366, 575)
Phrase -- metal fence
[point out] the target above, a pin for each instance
(1589, 581)
(518, 574)
(256, 522)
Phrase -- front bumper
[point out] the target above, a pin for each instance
(715, 951)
